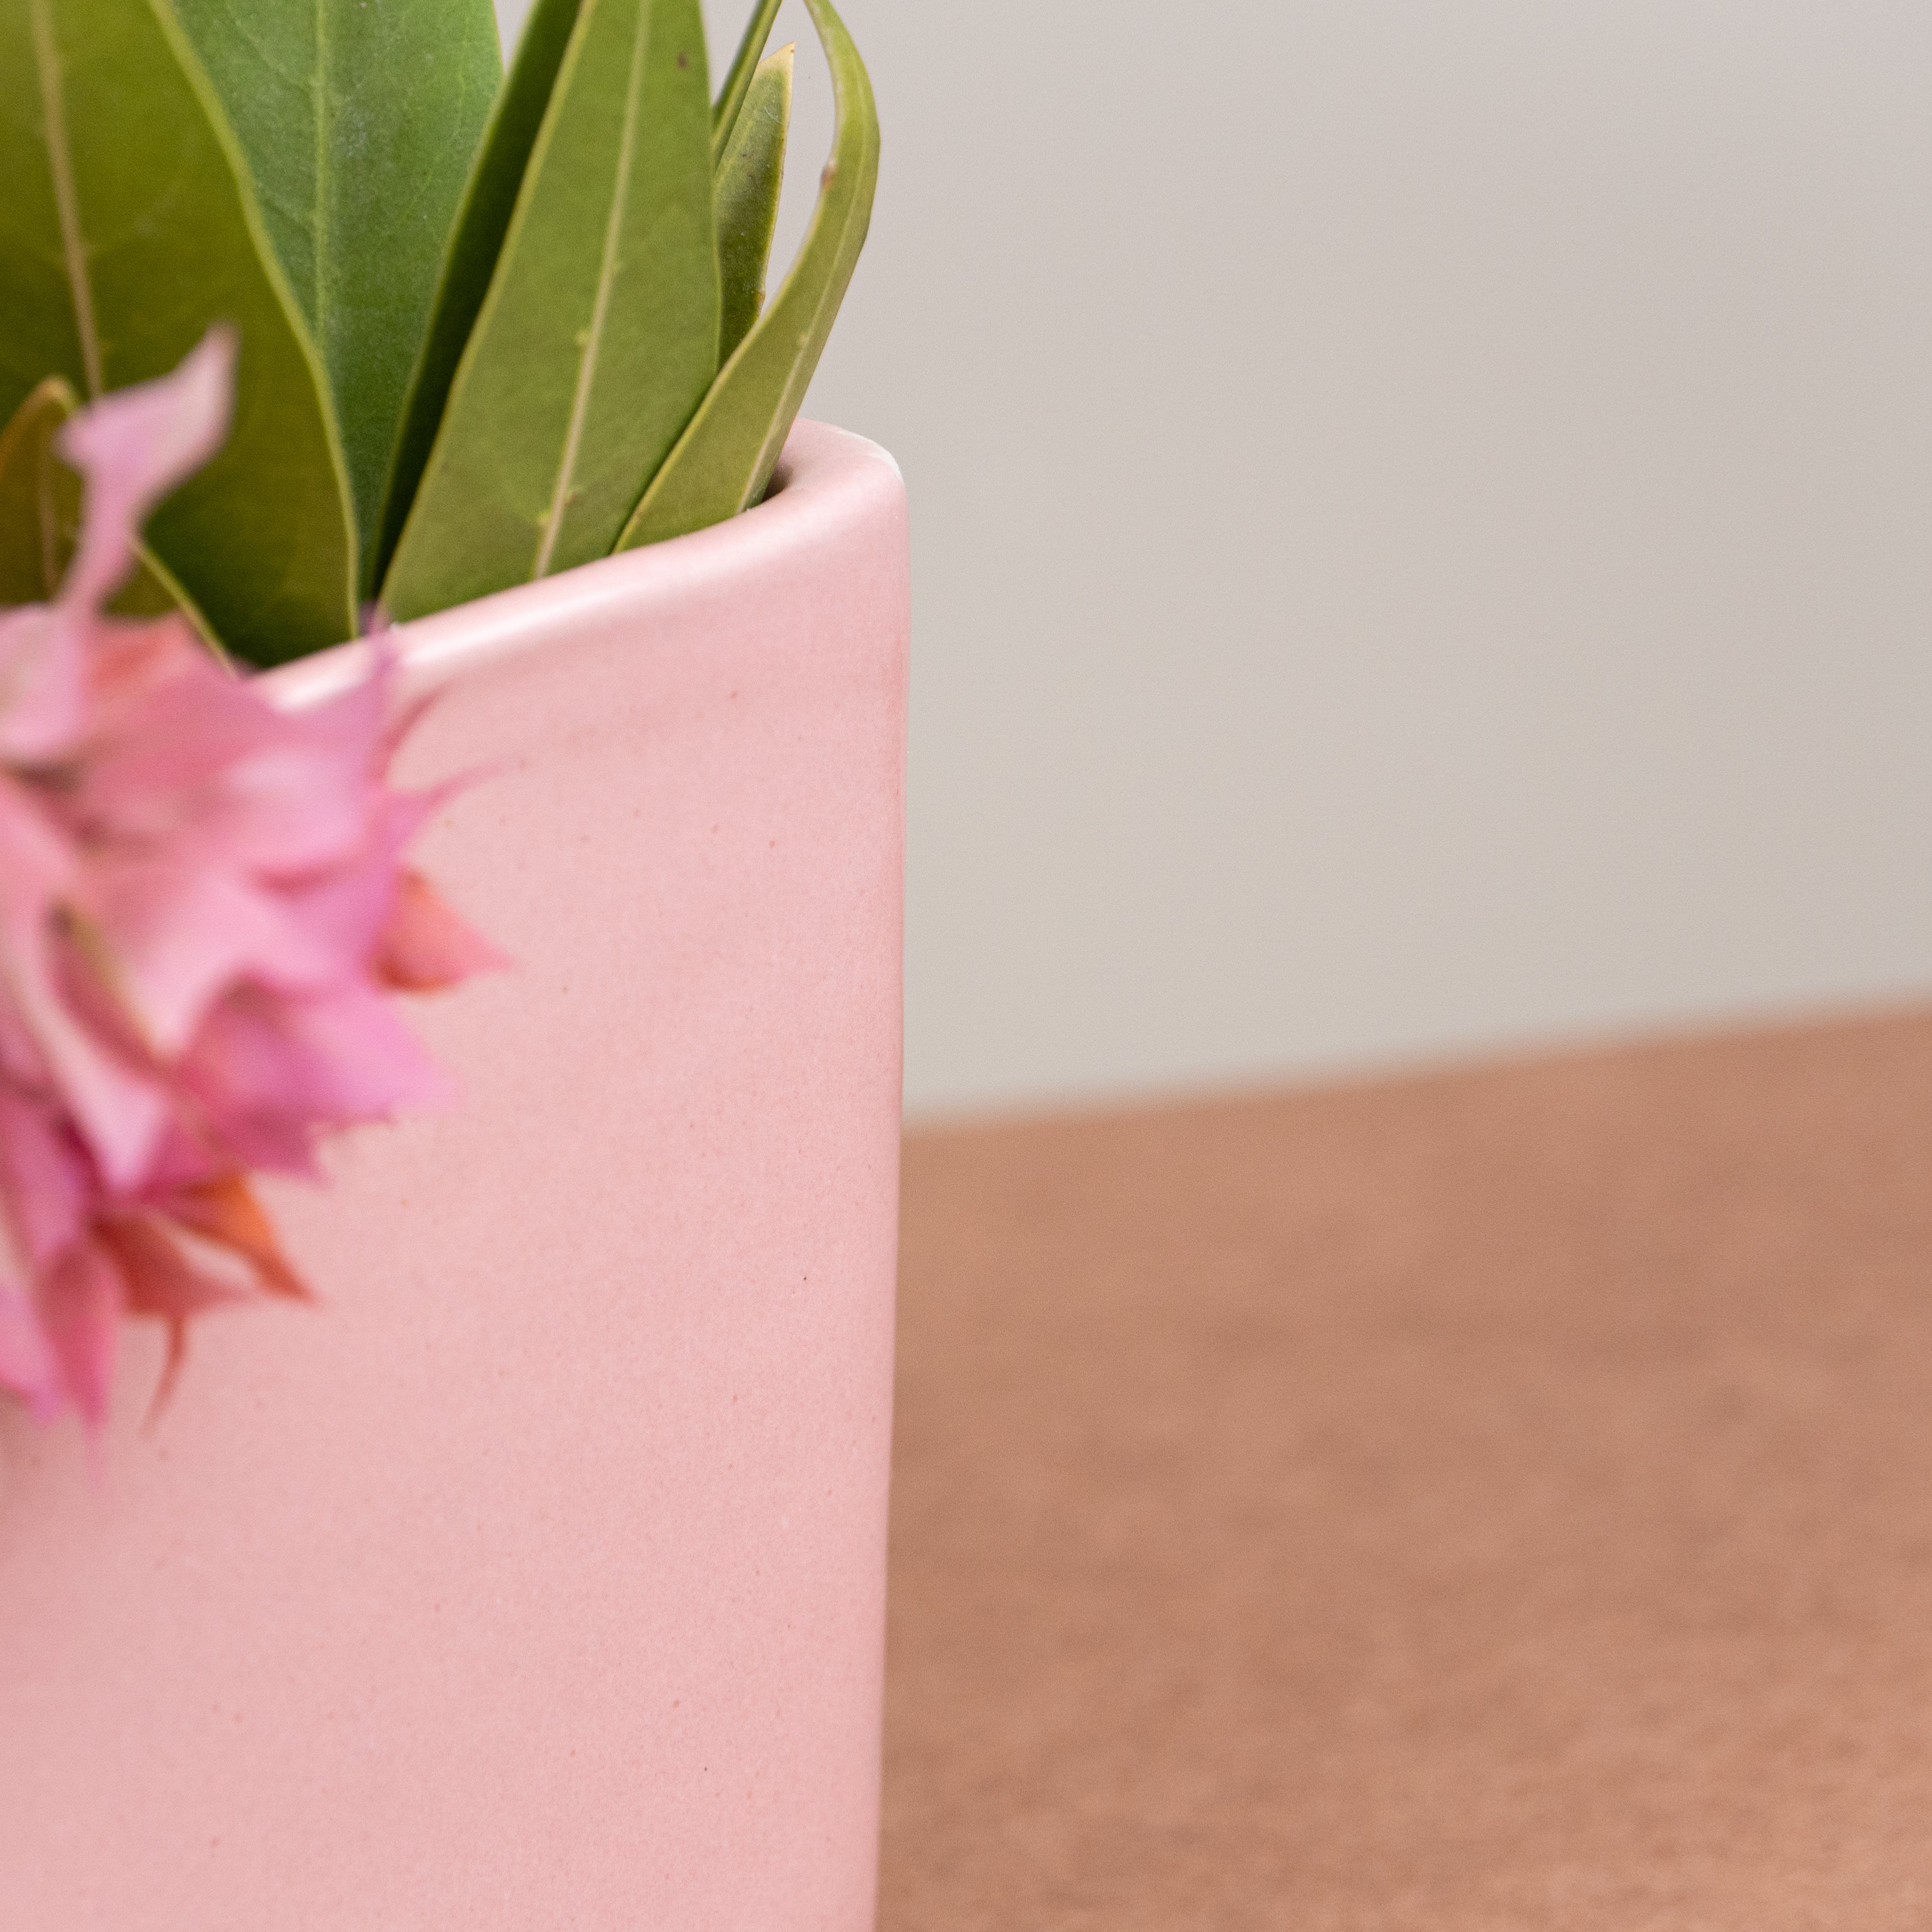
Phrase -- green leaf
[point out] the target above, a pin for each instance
(746, 197)
(40, 497)
(599, 334)
(126, 227)
(724, 461)
(358, 120)
(154, 591)
(469, 257)
(730, 101)
(40, 517)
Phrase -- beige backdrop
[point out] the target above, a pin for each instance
(1421, 520)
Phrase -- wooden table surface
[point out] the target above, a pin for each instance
(1497, 1500)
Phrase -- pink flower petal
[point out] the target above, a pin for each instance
(179, 936)
(271, 1073)
(426, 946)
(204, 909)
(28, 1364)
(133, 447)
(80, 1314)
(46, 1189)
(224, 1211)
(118, 1111)
(42, 684)
(162, 1274)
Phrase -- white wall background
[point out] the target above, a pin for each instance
(1421, 521)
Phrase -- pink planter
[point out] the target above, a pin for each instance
(536, 1580)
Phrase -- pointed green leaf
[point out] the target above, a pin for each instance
(475, 241)
(599, 334)
(746, 197)
(126, 227)
(730, 101)
(358, 121)
(40, 517)
(724, 461)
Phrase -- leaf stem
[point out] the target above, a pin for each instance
(66, 199)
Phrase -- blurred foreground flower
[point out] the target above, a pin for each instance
(203, 912)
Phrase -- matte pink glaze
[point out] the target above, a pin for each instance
(536, 1580)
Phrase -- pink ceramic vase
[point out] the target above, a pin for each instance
(536, 1579)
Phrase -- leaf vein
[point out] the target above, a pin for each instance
(606, 275)
(67, 197)
(319, 82)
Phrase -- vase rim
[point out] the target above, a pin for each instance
(825, 478)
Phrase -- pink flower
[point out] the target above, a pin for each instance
(204, 913)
